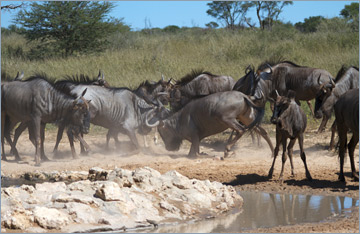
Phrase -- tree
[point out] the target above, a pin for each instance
(212, 24)
(230, 13)
(68, 27)
(12, 6)
(268, 12)
(310, 24)
(351, 15)
(350, 11)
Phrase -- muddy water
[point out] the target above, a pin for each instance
(269, 210)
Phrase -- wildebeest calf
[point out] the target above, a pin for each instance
(290, 123)
(347, 117)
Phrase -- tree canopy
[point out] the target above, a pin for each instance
(233, 13)
(68, 27)
(230, 13)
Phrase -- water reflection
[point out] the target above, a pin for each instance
(269, 210)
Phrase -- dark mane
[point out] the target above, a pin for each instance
(355, 68)
(80, 79)
(190, 76)
(273, 62)
(340, 73)
(42, 76)
(115, 89)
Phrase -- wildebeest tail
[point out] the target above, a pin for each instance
(260, 112)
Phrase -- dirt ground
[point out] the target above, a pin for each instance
(247, 169)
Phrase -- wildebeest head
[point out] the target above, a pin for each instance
(101, 80)
(80, 115)
(281, 104)
(324, 93)
(153, 92)
(159, 115)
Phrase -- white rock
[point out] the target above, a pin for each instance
(50, 218)
(51, 187)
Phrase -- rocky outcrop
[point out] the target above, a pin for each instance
(112, 200)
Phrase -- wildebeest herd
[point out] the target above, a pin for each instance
(198, 105)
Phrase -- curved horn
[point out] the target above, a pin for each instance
(319, 79)
(271, 71)
(277, 93)
(161, 93)
(332, 82)
(248, 68)
(147, 121)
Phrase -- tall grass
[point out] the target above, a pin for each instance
(135, 56)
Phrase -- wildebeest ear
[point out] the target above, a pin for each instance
(19, 76)
(101, 76)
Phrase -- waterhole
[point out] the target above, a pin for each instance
(265, 210)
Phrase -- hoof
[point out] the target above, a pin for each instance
(218, 158)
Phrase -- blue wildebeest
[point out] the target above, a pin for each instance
(110, 111)
(347, 118)
(71, 130)
(36, 102)
(290, 123)
(66, 85)
(4, 79)
(152, 93)
(207, 116)
(196, 84)
(116, 109)
(256, 86)
(346, 79)
(306, 82)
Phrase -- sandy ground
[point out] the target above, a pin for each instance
(247, 169)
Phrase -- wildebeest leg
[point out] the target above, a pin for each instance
(8, 126)
(156, 137)
(71, 141)
(133, 138)
(235, 125)
(114, 134)
(351, 148)
(58, 137)
(108, 135)
(290, 153)
(260, 130)
(342, 131)
(83, 143)
(284, 157)
(18, 131)
(37, 123)
(232, 142)
(42, 140)
(332, 140)
(310, 106)
(195, 147)
(323, 124)
(276, 152)
(84, 147)
(303, 156)
(146, 145)
(3, 116)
